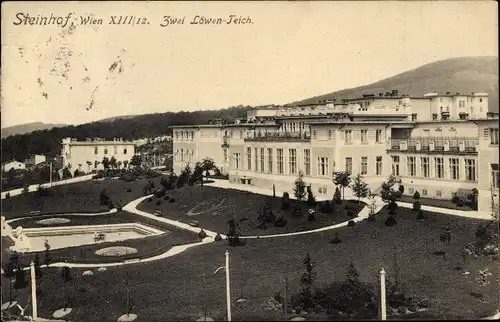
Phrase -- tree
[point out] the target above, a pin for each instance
(307, 281)
(112, 163)
(311, 200)
(198, 172)
(359, 187)
(353, 274)
(66, 172)
(125, 164)
(337, 197)
(386, 191)
(88, 165)
(36, 262)
(136, 161)
(119, 164)
(105, 163)
(184, 176)
(299, 189)
(208, 164)
(342, 179)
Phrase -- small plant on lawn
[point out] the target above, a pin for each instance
(218, 237)
(233, 236)
(416, 195)
(46, 254)
(416, 206)
(351, 223)
(401, 189)
(390, 221)
(150, 199)
(285, 201)
(342, 179)
(158, 202)
(104, 198)
(420, 215)
(311, 200)
(299, 187)
(393, 206)
(7, 195)
(337, 196)
(36, 262)
(336, 239)
(359, 187)
(171, 200)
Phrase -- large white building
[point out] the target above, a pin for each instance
(88, 155)
(438, 145)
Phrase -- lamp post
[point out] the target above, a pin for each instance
(228, 287)
(383, 312)
(33, 291)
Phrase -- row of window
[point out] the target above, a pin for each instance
(348, 136)
(184, 135)
(115, 150)
(493, 134)
(184, 155)
(438, 167)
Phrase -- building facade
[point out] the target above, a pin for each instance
(438, 145)
(88, 155)
(33, 160)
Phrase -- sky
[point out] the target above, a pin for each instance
(291, 50)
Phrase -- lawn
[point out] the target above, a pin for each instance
(173, 289)
(441, 203)
(212, 208)
(77, 197)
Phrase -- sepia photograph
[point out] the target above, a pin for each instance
(249, 161)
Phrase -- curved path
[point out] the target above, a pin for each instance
(132, 208)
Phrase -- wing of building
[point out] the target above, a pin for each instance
(438, 144)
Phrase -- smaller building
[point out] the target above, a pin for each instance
(13, 164)
(87, 155)
(34, 160)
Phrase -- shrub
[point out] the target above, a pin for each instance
(280, 222)
(285, 201)
(165, 197)
(390, 221)
(455, 199)
(150, 199)
(202, 234)
(416, 195)
(416, 205)
(392, 207)
(351, 223)
(401, 189)
(158, 202)
(372, 218)
(7, 195)
(218, 237)
(337, 197)
(326, 207)
(159, 193)
(171, 200)
(311, 217)
(336, 239)
(297, 211)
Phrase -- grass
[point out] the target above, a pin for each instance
(173, 289)
(216, 206)
(441, 203)
(77, 197)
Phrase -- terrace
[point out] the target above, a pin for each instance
(441, 145)
(280, 136)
